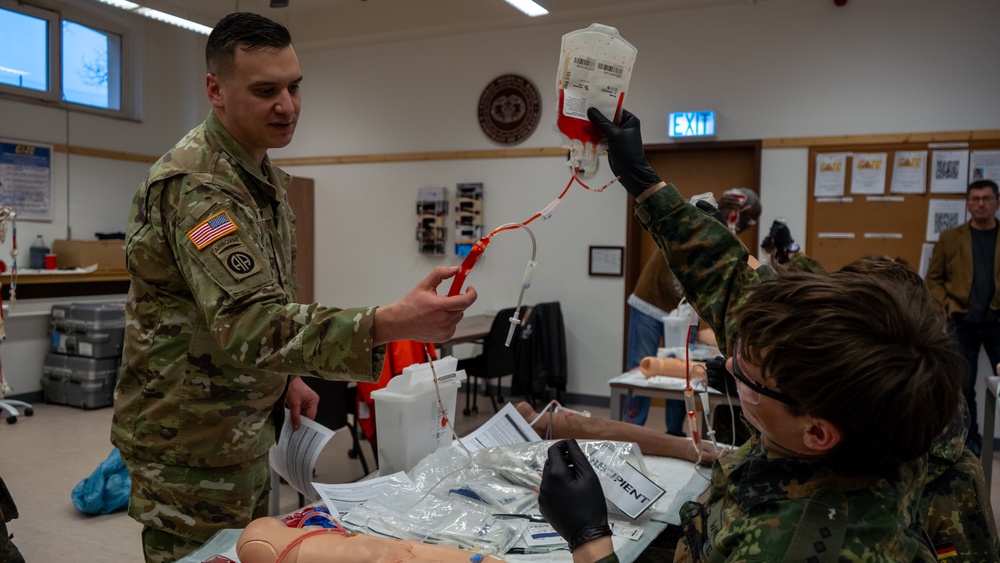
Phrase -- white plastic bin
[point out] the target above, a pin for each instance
(408, 416)
(674, 331)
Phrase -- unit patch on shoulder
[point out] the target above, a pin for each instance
(212, 229)
(237, 260)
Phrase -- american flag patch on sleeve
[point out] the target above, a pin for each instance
(211, 230)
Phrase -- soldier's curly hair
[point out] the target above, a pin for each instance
(866, 351)
(245, 30)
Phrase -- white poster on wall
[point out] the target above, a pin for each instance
(868, 173)
(925, 258)
(830, 173)
(26, 179)
(949, 171)
(909, 173)
(944, 214)
(984, 165)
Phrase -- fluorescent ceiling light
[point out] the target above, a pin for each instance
(14, 71)
(174, 20)
(159, 16)
(123, 4)
(528, 7)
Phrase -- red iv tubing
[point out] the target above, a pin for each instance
(477, 251)
(480, 247)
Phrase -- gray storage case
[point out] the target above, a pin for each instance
(95, 330)
(80, 382)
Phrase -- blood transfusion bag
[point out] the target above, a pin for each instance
(595, 66)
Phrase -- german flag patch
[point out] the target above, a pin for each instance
(945, 551)
(212, 229)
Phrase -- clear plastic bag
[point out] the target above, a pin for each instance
(595, 66)
(453, 499)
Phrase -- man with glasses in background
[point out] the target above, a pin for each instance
(963, 276)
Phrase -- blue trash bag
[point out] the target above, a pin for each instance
(107, 488)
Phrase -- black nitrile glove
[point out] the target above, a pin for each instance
(711, 210)
(570, 498)
(625, 155)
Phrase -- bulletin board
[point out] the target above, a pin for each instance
(853, 225)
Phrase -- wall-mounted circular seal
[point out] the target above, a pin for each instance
(509, 109)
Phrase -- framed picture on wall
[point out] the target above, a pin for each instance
(607, 261)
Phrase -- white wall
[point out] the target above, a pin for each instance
(781, 68)
(97, 191)
(774, 68)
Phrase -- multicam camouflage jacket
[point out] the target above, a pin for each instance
(213, 328)
(764, 508)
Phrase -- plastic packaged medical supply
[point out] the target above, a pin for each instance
(483, 502)
(595, 66)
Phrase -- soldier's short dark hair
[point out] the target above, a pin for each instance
(862, 350)
(980, 184)
(245, 30)
(896, 269)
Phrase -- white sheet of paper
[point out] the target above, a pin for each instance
(984, 165)
(294, 456)
(506, 428)
(925, 258)
(222, 543)
(909, 172)
(949, 171)
(830, 171)
(342, 497)
(868, 173)
(944, 214)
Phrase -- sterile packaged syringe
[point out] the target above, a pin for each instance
(595, 66)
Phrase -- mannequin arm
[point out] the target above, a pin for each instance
(651, 442)
(669, 367)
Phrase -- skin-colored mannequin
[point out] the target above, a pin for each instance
(669, 367)
(265, 538)
(651, 442)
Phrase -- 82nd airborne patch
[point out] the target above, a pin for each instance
(235, 257)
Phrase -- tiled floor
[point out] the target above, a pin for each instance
(44, 456)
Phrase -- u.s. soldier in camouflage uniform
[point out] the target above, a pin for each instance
(846, 379)
(213, 326)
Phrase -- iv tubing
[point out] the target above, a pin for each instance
(480, 247)
(459, 280)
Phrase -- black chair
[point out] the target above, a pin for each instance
(336, 401)
(495, 362)
(542, 361)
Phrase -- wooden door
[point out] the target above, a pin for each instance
(301, 196)
(693, 168)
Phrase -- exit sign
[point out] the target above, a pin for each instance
(692, 124)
